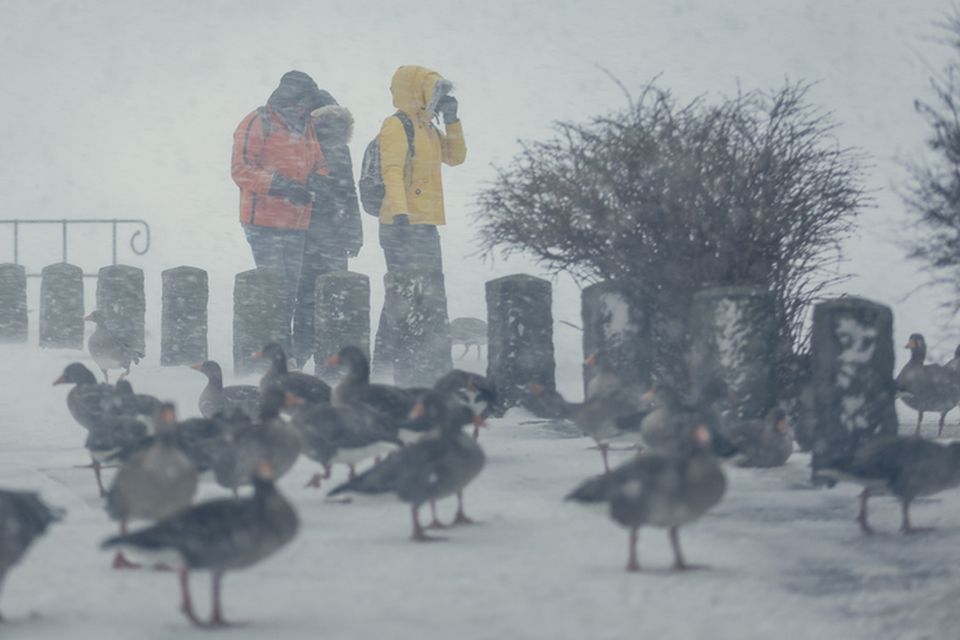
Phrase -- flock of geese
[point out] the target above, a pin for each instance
(251, 435)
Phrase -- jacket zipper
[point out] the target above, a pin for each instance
(253, 208)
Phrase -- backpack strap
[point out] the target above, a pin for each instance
(408, 127)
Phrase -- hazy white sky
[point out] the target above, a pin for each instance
(114, 108)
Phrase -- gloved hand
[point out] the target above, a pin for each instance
(284, 187)
(447, 107)
(401, 220)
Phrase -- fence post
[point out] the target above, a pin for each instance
(121, 298)
(341, 316)
(13, 303)
(183, 326)
(520, 342)
(259, 316)
(734, 338)
(617, 328)
(852, 376)
(61, 306)
(421, 326)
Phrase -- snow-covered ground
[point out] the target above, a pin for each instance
(783, 559)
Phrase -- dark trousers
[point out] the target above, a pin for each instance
(282, 251)
(404, 248)
(320, 256)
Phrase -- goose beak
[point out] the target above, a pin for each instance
(591, 360)
(536, 389)
(256, 354)
(88, 317)
(478, 421)
(197, 367)
(649, 396)
(59, 380)
(782, 426)
(332, 361)
(417, 412)
(292, 400)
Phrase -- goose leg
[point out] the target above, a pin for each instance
(353, 472)
(96, 473)
(106, 376)
(919, 420)
(604, 448)
(216, 616)
(314, 481)
(119, 560)
(461, 517)
(435, 522)
(862, 516)
(632, 563)
(678, 562)
(905, 525)
(186, 604)
(943, 417)
(419, 535)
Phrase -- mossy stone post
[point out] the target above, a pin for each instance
(615, 327)
(419, 314)
(183, 327)
(733, 333)
(61, 306)
(852, 376)
(121, 299)
(13, 303)
(259, 316)
(520, 340)
(341, 316)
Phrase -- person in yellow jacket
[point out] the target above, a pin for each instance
(412, 206)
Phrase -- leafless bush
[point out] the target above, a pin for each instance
(933, 192)
(752, 190)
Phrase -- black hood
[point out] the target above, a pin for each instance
(295, 97)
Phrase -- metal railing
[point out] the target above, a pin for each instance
(140, 235)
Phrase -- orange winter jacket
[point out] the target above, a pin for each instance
(263, 145)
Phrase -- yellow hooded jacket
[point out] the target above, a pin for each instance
(419, 193)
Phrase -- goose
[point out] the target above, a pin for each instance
(109, 417)
(269, 439)
(906, 466)
(665, 489)
(109, 350)
(310, 388)
(438, 465)
(153, 483)
(927, 387)
(346, 434)
(216, 398)
(355, 387)
(608, 418)
(218, 536)
(766, 442)
(24, 517)
(477, 392)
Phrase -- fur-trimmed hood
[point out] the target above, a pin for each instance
(333, 124)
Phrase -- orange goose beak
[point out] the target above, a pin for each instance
(332, 361)
(418, 411)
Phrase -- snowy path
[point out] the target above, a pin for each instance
(784, 560)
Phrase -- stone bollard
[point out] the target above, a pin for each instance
(13, 303)
(419, 316)
(341, 317)
(853, 391)
(520, 325)
(259, 316)
(733, 333)
(183, 326)
(615, 327)
(61, 306)
(121, 298)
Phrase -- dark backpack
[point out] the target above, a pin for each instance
(370, 184)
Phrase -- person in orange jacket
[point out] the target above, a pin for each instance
(412, 206)
(279, 166)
